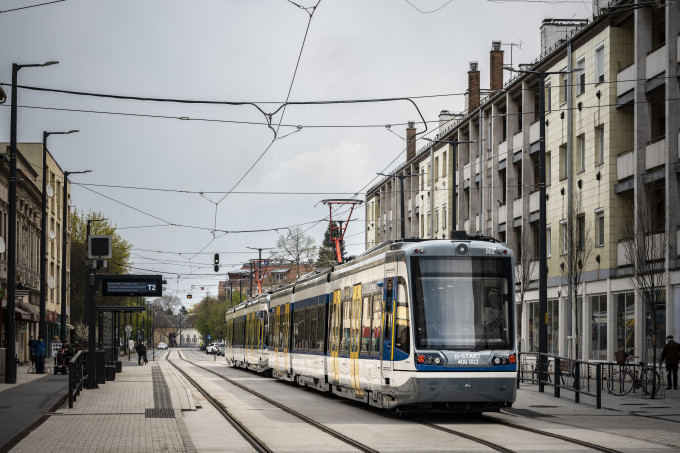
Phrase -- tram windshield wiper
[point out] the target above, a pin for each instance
(488, 333)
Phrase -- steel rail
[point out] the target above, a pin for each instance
(251, 438)
(293, 412)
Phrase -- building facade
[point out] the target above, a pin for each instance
(611, 142)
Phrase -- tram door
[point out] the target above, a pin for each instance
(355, 332)
(389, 303)
(334, 335)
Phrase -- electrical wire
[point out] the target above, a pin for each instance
(31, 6)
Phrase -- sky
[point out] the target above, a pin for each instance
(182, 181)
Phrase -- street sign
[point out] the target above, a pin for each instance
(128, 328)
(132, 285)
(208, 336)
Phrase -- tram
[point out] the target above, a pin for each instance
(408, 325)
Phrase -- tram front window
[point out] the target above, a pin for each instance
(462, 303)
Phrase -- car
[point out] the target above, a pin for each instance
(220, 349)
(162, 345)
(212, 348)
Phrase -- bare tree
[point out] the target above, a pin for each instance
(168, 303)
(645, 250)
(524, 269)
(296, 248)
(577, 247)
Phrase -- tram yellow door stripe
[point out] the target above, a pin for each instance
(335, 336)
(354, 336)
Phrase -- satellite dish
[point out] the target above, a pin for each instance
(52, 234)
(50, 282)
(50, 191)
(2, 245)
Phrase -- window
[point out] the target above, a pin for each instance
(548, 173)
(564, 89)
(422, 178)
(436, 168)
(519, 180)
(563, 236)
(548, 97)
(563, 162)
(599, 144)
(599, 224)
(581, 156)
(598, 326)
(581, 231)
(436, 220)
(625, 321)
(660, 298)
(429, 224)
(444, 164)
(444, 217)
(581, 72)
(553, 324)
(548, 239)
(599, 63)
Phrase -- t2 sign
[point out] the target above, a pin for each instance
(132, 285)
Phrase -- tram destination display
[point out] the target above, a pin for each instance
(132, 285)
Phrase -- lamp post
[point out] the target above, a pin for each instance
(542, 246)
(10, 365)
(454, 144)
(401, 189)
(43, 234)
(64, 245)
(91, 285)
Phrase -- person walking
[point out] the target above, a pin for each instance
(38, 352)
(671, 354)
(141, 353)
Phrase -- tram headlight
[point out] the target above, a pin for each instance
(496, 360)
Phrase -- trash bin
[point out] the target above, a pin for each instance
(119, 366)
(100, 366)
(110, 373)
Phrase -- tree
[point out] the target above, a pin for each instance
(116, 265)
(579, 246)
(645, 250)
(210, 315)
(295, 247)
(328, 255)
(168, 303)
(524, 269)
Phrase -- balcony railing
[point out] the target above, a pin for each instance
(625, 165)
(503, 214)
(625, 79)
(534, 132)
(534, 201)
(656, 62)
(654, 153)
(518, 140)
(517, 208)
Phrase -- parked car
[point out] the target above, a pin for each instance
(212, 348)
(220, 349)
(162, 345)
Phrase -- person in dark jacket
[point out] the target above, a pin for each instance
(38, 351)
(141, 353)
(671, 354)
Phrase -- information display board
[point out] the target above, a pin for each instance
(132, 285)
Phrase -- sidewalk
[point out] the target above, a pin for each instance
(25, 403)
(631, 415)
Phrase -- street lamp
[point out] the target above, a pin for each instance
(43, 234)
(10, 364)
(401, 185)
(64, 228)
(542, 246)
(91, 284)
(454, 144)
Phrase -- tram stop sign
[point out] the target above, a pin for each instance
(131, 285)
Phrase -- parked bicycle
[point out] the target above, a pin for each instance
(622, 379)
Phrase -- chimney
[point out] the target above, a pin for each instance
(473, 87)
(496, 67)
(410, 141)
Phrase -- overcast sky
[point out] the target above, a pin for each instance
(246, 51)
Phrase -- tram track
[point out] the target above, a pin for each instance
(477, 439)
(257, 443)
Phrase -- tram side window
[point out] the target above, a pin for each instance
(345, 326)
(265, 327)
(320, 327)
(298, 329)
(402, 327)
(377, 324)
(310, 330)
(366, 325)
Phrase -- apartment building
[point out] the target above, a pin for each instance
(612, 129)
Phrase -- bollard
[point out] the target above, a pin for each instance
(598, 392)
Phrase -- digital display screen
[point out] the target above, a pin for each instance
(132, 285)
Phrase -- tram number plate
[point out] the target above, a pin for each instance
(466, 359)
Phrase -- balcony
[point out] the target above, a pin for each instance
(656, 63)
(466, 172)
(503, 214)
(625, 165)
(621, 256)
(467, 225)
(517, 208)
(534, 201)
(654, 154)
(503, 150)
(518, 141)
(625, 80)
(534, 132)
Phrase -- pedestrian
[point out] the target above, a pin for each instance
(131, 344)
(38, 351)
(671, 354)
(30, 349)
(141, 353)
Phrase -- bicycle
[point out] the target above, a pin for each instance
(622, 381)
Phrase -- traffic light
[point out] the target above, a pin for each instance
(217, 262)
(188, 296)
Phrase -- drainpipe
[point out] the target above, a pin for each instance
(570, 205)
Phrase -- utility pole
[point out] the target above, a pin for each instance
(259, 271)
